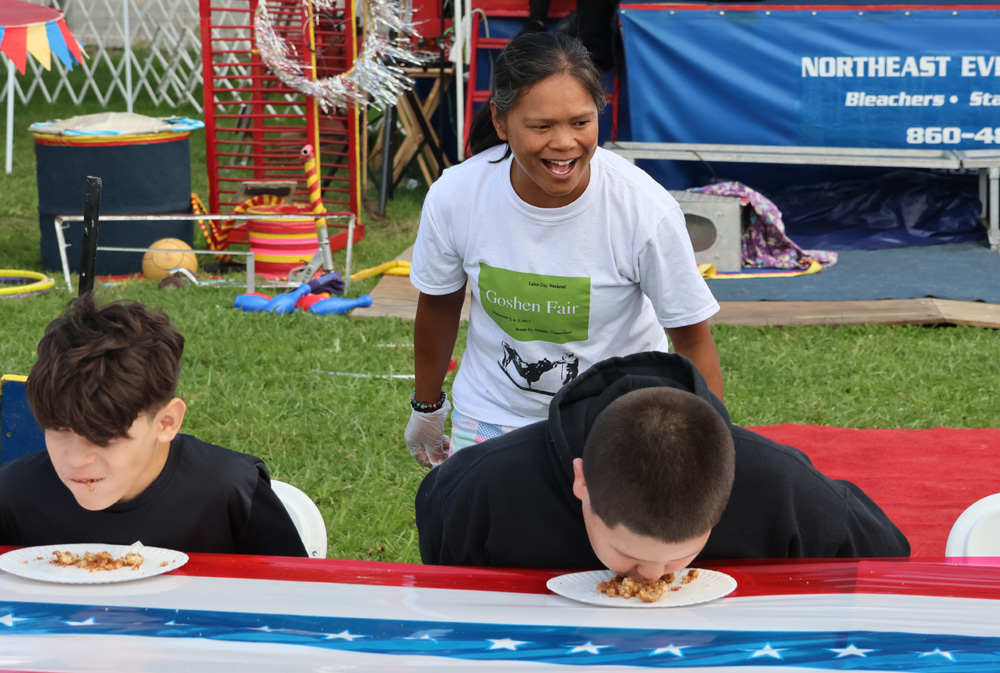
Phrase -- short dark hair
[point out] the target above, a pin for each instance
(524, 62)
(99, 367)
(659, 461)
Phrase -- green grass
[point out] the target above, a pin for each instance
(259, 383)
(871, 376)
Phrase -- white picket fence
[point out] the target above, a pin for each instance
(164, 64)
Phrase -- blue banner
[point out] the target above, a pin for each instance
(846, 76)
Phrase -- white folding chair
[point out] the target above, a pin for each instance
(976, 532)
(305, 515)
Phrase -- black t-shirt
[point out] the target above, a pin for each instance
(509, 502)
(206, 499)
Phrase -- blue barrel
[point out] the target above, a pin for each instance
(141, 173)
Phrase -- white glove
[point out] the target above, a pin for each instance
(425, 436)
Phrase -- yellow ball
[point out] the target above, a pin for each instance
(156, 265)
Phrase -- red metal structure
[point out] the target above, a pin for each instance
(478, 87)
(256, 126)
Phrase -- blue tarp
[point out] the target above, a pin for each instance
(897, 209)
(959, 271)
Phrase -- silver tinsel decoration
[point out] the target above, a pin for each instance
(373, 78)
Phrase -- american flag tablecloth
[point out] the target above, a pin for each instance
(248, 614)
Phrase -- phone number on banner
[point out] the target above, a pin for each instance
(951, 135)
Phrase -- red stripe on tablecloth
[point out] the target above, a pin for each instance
(969, 579)
(962, 578)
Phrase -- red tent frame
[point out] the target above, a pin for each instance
(255, 125)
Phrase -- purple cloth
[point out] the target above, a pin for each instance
(765, 244)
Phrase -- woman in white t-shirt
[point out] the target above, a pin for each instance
(573, 255)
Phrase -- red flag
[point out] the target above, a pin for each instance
(15, 45)
(74, 46)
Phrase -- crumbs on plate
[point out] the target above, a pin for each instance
(96, 561)
(622, 586)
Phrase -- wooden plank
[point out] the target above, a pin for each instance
(883, 312)
(974, 313)
(395, 297)
(925, 311)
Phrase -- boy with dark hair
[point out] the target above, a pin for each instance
(640, 454)
(638, 469)
(116, 469)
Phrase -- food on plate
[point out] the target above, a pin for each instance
(96, 561)
(625, 587)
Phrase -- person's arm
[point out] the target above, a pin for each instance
(269, 529)
(695, 342)
(868, 531)
(453, 519)
(434, 333)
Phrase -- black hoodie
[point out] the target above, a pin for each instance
(508, 502)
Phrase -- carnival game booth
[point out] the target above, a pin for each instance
(916, 80)
(271, 71)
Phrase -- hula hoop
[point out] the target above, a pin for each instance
(241, 209)
(42, 283)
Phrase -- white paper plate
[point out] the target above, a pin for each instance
(34, 563)
(708, 586)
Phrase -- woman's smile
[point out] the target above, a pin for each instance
(562, 167)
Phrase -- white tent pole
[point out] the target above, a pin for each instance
(128, 60)
(458, 58)
(10, 116)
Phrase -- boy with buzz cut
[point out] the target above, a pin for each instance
(116, 469)
(639, 470)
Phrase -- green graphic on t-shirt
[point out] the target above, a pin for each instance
(532, 307)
